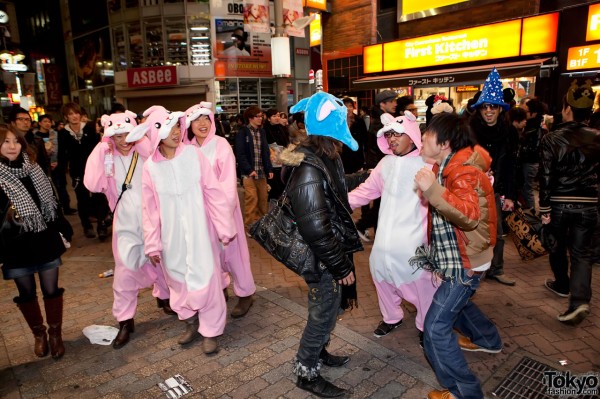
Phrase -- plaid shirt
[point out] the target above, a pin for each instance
(258, 166)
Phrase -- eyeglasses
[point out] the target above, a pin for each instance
(24, 119)
(387, 135)
(490, 106)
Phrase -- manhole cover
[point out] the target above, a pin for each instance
(528, 380)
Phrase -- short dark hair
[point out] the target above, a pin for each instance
(516, 114)
(251, 112)
(68, 107)
(45, 116)
(12, 115)
(348, 100)
(452, 128)
(298, 117)
(403, 102)
(117, 107)
(535, 105)
(579, 114)
(270, 112)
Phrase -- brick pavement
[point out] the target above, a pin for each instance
(256, 351)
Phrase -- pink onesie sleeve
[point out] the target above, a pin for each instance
(150, 215)
(369, 190)
(216, 201)
(225, 165)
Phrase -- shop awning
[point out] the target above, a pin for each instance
(450, 77)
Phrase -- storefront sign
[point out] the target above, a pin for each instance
(152, 76)
(464, 89)
(52, 82)
(315, 31)
(438, 80)
(413, 6)
(593, 25)
(302, 51)
(527, 36)
(318, 4)
(584, 57)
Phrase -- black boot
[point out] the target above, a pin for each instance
(54, 316)
(191, 331)
(320, 387)
(33, 315)
(166, 306)
(331, 360)
(125, 327)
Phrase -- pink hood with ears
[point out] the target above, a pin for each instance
(157, 126)
(194, 112)
(401, 124)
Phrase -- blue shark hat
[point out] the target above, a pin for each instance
(325, 115)
(492, 91)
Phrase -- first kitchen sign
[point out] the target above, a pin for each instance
(152, 77)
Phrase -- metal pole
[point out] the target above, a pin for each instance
(280, 82)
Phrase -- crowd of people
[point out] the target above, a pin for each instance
(167, 187)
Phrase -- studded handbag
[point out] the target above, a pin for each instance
(278, 234)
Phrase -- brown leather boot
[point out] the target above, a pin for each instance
(54, 316)
(191, 331)
(33, 316)
(242, 307)
(125, 327)
(165, 304)
(210, 345)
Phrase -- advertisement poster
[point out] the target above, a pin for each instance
(91, 53)
(292, 10)
(240, 53)
(256, 16)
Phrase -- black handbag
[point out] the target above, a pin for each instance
(11, 226)
(278, 234)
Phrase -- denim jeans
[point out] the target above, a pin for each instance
(497, 267)
(573, 227)
(452, 308)
(324, 299)
(530, 172)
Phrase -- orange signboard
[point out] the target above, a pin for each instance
(526, 36)
(593, 25)
(583, 57)
(412, 6)
(318, 4)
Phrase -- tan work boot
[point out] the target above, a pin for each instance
(242, 307)
(191, 330)
(210, 345)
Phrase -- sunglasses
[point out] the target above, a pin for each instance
(490, 106)
(387, 135)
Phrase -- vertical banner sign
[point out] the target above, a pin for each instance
(10, 81)
(28, 84)
(256, 16)
(292, 10)
(315, 31)
(52, 78)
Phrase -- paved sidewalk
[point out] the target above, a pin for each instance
(255, 354)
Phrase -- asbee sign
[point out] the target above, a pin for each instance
(525, 36)
(152, 77)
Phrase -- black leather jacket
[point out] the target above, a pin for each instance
(321, 211)
(569, 165)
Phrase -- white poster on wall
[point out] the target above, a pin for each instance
(256, 16)
(292, 10)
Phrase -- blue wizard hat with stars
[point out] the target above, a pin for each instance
(492, 91)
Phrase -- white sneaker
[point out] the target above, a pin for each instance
(364, 235)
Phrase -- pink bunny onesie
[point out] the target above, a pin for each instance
(182, 202)
(402, 225)
(133, 271)
(235, 258)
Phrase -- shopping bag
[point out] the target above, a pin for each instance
(525, 227)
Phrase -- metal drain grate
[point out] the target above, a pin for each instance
(526, 381)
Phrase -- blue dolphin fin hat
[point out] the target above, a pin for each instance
(325, 115)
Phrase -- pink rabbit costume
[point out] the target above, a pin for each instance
(402, 225)
(133, 271)
(182, 202)
(235, 258)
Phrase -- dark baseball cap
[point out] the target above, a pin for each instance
(385, 96)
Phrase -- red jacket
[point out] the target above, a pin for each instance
(467, 200)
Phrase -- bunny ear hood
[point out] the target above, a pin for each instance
(402, 124)
(118, 123)
(155, 116)
(194, 112)
(325, 115)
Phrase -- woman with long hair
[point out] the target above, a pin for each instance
(29, 215)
